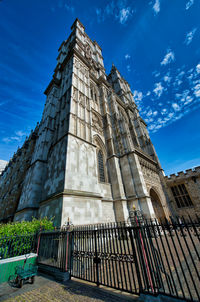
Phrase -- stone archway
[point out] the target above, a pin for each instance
(157, 206)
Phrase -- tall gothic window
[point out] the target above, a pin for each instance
(91, 93)
(101, 167)
(181, 196)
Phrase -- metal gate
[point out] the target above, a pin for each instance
(144, 258)
(106, 256)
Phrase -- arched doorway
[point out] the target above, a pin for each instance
(157, 206)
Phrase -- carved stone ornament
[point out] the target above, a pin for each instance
(88, 52)
(97, 123)
(77, 64)
(75, 94)
(82, 100)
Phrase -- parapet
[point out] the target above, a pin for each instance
(20, 151)
(184, 174)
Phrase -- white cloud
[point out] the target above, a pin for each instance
(161, 121)
(190, 77)
(127, 56)
(169, 57)
(148, 93)
(178, 82)
(188, 100)
(20, 133)
(3, 164)
(116, 9)
(189, 4)
(155, 113)
(157, 127)
(69, 8)
(124, 14)
(164, 111)
(185, 93)
(181, 74)
(197, 90)
(189, 36)
(184, 98)
(19, 136)
(6, 139)
(170, 115)
(179, 116)
(137, 95)
(110, 8)
(198, 68)
(176, 107)
(149, 113)
(156, 73)
(179, 79)
(190, 70)
(128, 68)
(158, 90)
(62, 4)
(100, 15)
(156, 6)
(167, 78)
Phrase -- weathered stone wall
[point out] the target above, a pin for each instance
(12, 178)
(154, 182)
(191, 179)
(82, 209)
(55, 169)
(52, 208)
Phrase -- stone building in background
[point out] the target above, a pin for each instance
(11, 180)
(184, 192)
(91, 157)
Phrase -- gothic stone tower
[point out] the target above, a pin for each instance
(93, 158)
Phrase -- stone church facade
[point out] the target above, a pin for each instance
(90, 158)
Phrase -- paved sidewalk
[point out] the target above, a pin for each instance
(48, 290)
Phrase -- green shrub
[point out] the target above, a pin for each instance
(25, 227)
(22, 236)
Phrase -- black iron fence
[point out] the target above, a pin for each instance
(17, 245)
(142, 257)
(139, 257)
(54, 249)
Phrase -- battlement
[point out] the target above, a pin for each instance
(18, 156)
(184, 174)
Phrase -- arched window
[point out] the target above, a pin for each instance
(101, 167)
(91, 93)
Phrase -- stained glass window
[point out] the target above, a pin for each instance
(101, 167)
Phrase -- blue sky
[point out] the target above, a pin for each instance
(154, 44)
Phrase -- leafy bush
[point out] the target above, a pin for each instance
(25, 227)
(21, 237)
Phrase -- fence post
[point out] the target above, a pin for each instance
(38, 243)
(71, 253)
(135, 259)
(67, 253)
(96, 257)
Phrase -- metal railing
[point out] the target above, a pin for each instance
(54, 249)
(17, 245)
(141, 257)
